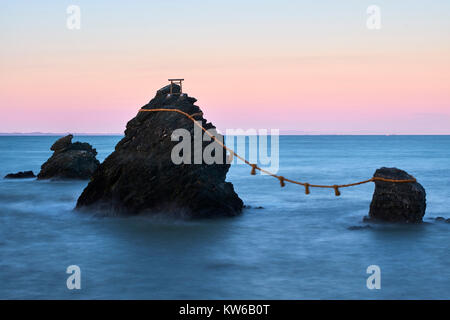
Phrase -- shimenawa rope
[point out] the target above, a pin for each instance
(281, 179)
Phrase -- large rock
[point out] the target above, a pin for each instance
(70, 160)
(397, 202)
(140, 176)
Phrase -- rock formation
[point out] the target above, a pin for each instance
(20, 175)
(70, 160)
(62, 143)
(397, 202)
(140, 177)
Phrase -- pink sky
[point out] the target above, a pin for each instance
(323, 78)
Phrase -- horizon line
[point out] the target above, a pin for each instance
(286, 133)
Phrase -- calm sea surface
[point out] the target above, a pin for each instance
(296, 247)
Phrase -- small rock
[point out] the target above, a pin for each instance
(70, 160)
(442, 219)
(20, 175)
(397, 202)
(250, 207)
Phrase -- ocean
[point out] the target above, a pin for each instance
(296, 247)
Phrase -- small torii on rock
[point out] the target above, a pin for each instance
(178, 82)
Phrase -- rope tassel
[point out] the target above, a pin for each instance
(306, 188)
(336, 191)
(282, 184)
(253, 169)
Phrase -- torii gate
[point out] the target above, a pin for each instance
(178, 82)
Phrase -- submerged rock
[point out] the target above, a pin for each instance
(397, 202)
(70, 160)
(140, 176)
(442, 219)
(250, 207)
(20, 175)
(353, 228)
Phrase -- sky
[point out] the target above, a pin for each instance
(303, 66)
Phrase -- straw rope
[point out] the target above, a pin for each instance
(281, 179)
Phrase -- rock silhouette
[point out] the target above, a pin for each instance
(70, 160)
(139, 177)
(20, 175)
(397, 202)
